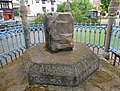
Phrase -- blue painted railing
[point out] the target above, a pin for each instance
(115, 44)
(12, 41)
(36, 33)
(92, 35)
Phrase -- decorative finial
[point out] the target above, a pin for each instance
(113, 6)
(67, 7)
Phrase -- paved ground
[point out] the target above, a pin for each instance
(106, 78)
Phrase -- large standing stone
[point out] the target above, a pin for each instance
(58, 31)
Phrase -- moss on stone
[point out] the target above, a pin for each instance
(84, 84)
(100, 77)
(37, 88)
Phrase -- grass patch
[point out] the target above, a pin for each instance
(37, 88)
(95, 37)
(90, 36)
(84, 84)
(101, 76)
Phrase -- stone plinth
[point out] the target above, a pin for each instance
(67, 68)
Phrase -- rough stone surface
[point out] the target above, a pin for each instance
(58, 31)
(68, 68)
(106, 55)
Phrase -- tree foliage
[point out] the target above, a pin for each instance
(38, 19)
(79, 10)
(105, 3)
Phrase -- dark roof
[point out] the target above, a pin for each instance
(6, 9)
(5, 1)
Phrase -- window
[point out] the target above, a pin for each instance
(52, 9)
(43, 2)
(37, 1)
(117, 13)
(10, 5)
(1, 15)
(44, 9)
(32, 1)
(26, 1)
(4, 5)
(52, 3)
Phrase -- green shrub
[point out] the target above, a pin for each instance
(38, 19)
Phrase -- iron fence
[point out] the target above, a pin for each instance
(115, 44)
(12, 40)
(92, 35)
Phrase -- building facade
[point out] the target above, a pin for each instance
(16, 7)
(6, 10)
(35, 7)
(41, 6)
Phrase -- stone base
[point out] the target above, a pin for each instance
(67, 68)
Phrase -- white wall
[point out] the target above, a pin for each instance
(16, 3)
(37, 7)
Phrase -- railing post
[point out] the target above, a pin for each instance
(111, 20)
(23, 14)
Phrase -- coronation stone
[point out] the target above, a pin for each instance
(58, 31)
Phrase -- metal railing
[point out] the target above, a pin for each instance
(36, 33)
(115, 44)
(92, 35)
(12, 42)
